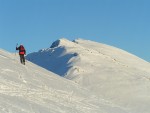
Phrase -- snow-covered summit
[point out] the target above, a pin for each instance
(109, 72)
(65, 54)
(61, 42)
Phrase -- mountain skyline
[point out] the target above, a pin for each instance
(38, 23)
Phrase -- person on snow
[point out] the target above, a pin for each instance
(22, 52)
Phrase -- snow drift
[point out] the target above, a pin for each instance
(111, 73)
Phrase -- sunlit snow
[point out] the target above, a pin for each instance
(110, 73)
(32, 89)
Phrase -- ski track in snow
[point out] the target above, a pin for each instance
(3, 56)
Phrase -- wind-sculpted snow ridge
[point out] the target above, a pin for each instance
(109, 72)
(31, 89)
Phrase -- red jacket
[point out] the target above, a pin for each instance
(21, 49)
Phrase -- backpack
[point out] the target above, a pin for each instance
(21, 50)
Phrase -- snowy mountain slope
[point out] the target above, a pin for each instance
(111, 73)
(31, 89)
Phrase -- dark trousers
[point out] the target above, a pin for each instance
(22, 59)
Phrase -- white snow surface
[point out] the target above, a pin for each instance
(107, 72)
(32, 89)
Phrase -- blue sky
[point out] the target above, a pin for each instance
(37, 23)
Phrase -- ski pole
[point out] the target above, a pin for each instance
(16, 47)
